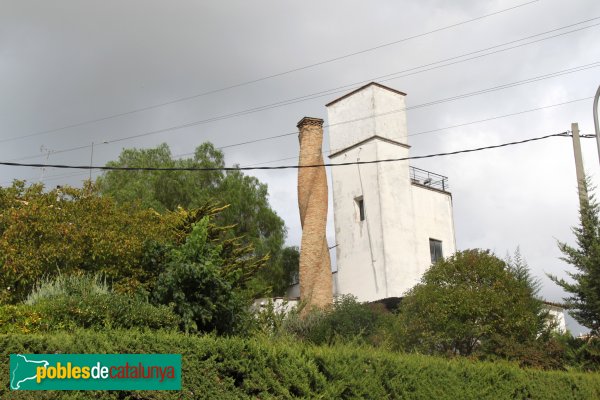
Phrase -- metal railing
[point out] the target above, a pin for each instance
(426, 178)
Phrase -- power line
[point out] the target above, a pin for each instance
(48, 177)
(281, 167)
(245, 83)
(344, 88)
(382, 78)
(430, 103)
(441, 129)
(87, 146)
(52, 177)
(500, 116)
(435, 102)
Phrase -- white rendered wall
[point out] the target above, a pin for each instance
(433, 211)
(359, 248)
(387, 253)
(350, 123)
(279, 305)
(557, 316)
(398, 223)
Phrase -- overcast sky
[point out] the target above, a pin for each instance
(67, 62)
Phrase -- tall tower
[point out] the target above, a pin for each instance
(315, 265)
(389, 223)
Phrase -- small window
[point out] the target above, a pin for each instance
(435, 248)
(360, 204)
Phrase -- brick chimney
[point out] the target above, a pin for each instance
(315, 264)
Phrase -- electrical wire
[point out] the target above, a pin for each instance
(49, 177)
(52, 177)
(435, 102)
(500, 116)
(264, 78)
(437, 129)
(282, 167)
(427, 104)
(382, 78)
(344, 88)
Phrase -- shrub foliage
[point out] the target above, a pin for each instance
(465, 304)
(69, 230)
(347, 320)
(237, 368)
(77, 302)
(206, 281)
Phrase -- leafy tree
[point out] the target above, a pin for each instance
(67, 230)
(206, 280)
(584, 302)
(254, 221)
(182, 257)
(466, 303)
(164, 190)
(280, 277)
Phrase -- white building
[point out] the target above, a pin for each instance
(556, 316)
(391, 220)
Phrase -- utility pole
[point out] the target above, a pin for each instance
(48, 152)
(92, 157)
(578, 163)
(596, 124)
(91, 161)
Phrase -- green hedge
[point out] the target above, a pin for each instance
(96, 311)
(231, 368)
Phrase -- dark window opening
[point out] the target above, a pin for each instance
(360, 203)
(435, 248)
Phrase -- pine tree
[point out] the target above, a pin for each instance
(518, 266)
(584, 301)
(520, 269)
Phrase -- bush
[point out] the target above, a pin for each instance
(69, 230)
(583, 353)
(347, 320)
(465, 304)
(67, 285)
(237, 368)
(71, 302)
(203, 289)
(99, 311)
(19, 319)
(544, 353)
(269, 317)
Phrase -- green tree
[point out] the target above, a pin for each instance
(67, 230)
(465, 303)
(584, 302)
(280, 277)
(254, 221)
(206, 280)
(518, 266)
(164, 190)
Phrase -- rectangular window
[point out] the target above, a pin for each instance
(360, 204)
(435, 248)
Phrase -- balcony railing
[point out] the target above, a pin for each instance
(430, 179)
